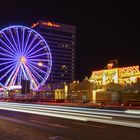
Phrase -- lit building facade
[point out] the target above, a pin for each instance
(61, 41)
(123, 75)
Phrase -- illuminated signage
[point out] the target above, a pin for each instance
(115, 75)
(110, 76)
(50, 24)
(129, 71)
(97, 74)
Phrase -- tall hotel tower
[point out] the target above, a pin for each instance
(61, 40)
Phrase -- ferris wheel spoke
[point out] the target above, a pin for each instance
(22, 46)
(42, 71)
(35, 73)
(41, 60)
(27, 41)
(14, 41)
(19, 77)
(37, 51)
(35, 56)
(19, 45)
(7, 67)
(33, 47)
(5, 49)
(13, 80)
(7, 59)
(6, 72)
(4, 54)
(39, 70)
(4, 63)
(28, 47)
(30, 75)
(12, 70)
(43, 65)
(13, 48)
(1, 85)
(24, 73)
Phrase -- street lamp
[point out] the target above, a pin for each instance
(40, 64)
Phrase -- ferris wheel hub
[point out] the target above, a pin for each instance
(23, 59)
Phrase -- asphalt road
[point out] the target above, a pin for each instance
(24, 126)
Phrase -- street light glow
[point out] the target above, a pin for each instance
(40, 64)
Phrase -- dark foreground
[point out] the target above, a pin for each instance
(23, 126)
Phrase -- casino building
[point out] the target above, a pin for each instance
(61, 40)
(120, 75)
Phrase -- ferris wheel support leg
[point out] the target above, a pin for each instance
(30, 75)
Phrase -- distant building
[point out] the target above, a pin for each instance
(81, 91)
(61, 40)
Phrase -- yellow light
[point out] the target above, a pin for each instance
(34, 24)
(22, 59)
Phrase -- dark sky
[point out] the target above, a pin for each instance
(105, 30)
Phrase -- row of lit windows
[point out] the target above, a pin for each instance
(62, 61)
(60, 76)
(57, 51)
(58, 36)
(48, 37)
(61, 55)
(50, 31)
(60, 44)
(58, 40)
(61, 47)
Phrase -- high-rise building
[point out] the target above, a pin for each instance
(61, 40)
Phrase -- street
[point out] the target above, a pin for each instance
(20, 125)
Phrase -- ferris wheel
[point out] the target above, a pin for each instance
(24, 55)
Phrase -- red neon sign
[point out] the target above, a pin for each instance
(34, 24)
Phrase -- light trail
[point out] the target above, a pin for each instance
(112, 113)
(97, 115)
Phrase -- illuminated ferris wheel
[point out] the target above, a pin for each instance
(24, 54)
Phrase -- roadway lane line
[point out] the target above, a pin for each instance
(40, 117)
(50, 124)
(96, 126)
(116, 122)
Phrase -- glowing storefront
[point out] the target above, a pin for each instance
(123, 75)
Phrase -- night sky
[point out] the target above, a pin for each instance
(105, 30)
